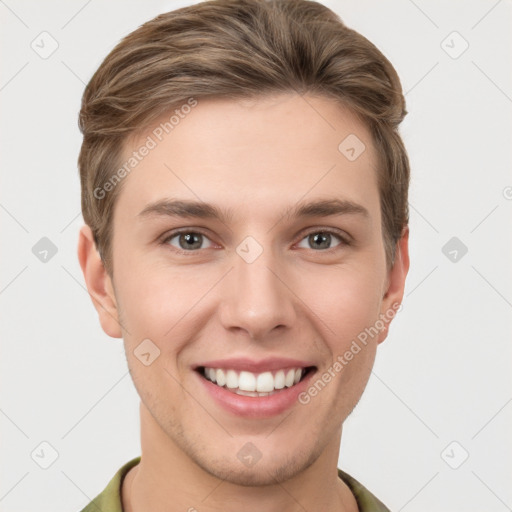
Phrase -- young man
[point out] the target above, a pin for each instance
(244, 190)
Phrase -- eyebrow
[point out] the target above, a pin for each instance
(202, 210)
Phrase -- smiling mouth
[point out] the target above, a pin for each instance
(255, 384)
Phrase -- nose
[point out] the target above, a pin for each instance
(258, 298)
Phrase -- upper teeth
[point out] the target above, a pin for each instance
(265, 382)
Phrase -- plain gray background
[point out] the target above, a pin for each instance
(441, 386)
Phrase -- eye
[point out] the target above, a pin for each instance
(187, 241)
(321, 239)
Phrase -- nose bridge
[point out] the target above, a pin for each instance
(257, 300)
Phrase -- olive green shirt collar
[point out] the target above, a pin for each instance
(110, 499)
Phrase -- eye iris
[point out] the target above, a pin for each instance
(323, 237)
(189, 240)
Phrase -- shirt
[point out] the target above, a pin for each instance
(110, 499)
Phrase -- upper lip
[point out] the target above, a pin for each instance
(249, 365)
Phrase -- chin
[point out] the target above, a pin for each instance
(262, 473)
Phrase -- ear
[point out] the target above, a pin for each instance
(98, 283)
(394, 293)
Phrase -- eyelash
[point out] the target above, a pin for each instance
(344, 240)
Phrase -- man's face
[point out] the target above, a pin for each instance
(255, 286)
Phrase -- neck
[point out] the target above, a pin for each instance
(168, 479)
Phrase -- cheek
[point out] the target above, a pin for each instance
(345, 300)
(163, 304)
(150, 299)
(154, 307)
(346, 303)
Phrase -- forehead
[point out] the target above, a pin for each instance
(260, 152)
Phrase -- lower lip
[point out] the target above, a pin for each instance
(256, 407)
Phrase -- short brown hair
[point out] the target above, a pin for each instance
(239, 49)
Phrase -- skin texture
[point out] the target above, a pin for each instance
(299, 298)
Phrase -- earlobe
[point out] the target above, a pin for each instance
(99, 284)
(392, 299)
